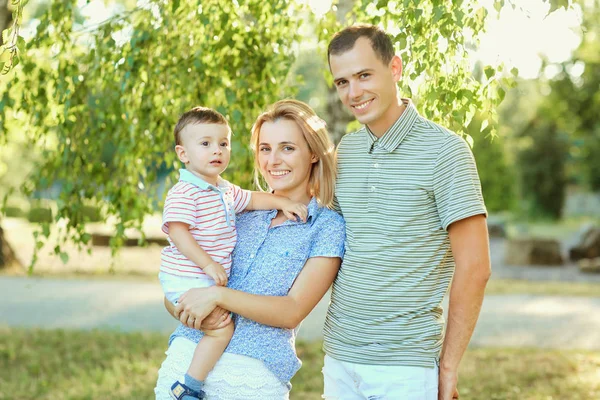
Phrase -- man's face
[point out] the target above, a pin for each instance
(367, 86)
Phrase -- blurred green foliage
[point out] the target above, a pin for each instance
(40, 214)
(99, 102)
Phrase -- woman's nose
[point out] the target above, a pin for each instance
(274, 158)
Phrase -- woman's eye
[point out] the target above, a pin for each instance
(264, 149)
(288, 148)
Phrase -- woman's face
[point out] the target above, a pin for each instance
(285, 160)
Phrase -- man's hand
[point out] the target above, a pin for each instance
(292, 210)
(216, 272)
(447, 383)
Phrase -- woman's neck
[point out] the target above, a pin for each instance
(300, 197)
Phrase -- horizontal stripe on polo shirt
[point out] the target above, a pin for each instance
(204, 211)
(398, 195)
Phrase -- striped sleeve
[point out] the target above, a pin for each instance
(180, 206)
(456, 185)
(241, 198)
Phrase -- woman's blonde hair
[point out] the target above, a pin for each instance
(322, 174)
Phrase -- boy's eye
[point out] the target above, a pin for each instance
(203, 143)
(224, 144)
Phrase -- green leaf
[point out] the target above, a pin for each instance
(484, 124)
(64, 257)
(501, 93)
(489, 71)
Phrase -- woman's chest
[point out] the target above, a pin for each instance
(267, 261)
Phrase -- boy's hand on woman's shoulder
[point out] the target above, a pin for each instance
(293, 210)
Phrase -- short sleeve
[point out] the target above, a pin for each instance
(335, 205)
(180, 206)
(331, 236)
(241, 198)
(456, 185)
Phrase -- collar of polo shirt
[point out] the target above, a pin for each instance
(189, 177)
(392, 138)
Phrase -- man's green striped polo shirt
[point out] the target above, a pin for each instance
(398, 195)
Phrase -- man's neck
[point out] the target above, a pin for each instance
(380, 127)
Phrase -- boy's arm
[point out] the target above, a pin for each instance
(268, 201)
(182, 238)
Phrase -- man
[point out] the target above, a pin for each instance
(410, 194)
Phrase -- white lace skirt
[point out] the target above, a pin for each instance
(235, 377)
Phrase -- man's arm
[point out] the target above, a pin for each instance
(470, 247)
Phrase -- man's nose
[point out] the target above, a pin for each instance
(354, 90)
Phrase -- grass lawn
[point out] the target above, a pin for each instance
(106, 365)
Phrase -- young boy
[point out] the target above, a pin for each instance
(199, 219)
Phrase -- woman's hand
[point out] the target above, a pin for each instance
(195, 305)
(217, 319)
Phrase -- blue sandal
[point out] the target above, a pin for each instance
(180, 390)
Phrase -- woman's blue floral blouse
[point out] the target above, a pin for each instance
(266, 261)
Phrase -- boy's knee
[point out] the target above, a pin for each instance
(224, 333)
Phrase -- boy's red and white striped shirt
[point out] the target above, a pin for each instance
(210, 213)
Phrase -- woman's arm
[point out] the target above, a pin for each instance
(279, 311)
(217, 319)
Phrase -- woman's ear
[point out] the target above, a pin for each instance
(314, 158)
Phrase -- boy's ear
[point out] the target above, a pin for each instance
(180, 150)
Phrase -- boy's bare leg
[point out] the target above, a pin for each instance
(209, 350)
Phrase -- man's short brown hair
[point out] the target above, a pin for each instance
(345, 39)
(198, 115)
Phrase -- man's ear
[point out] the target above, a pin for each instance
(396, 67)
(180, 150)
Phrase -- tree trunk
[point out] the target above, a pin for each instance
(5, 17)
(7, 255)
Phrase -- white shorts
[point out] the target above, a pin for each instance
(174, 286)
(349, 381)
(235, 377)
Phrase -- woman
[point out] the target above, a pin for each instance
(281, 268)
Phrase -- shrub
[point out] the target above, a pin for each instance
(40, 214)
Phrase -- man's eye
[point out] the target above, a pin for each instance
(365, 75)
(340, 83)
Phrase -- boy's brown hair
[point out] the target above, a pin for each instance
(197, 115)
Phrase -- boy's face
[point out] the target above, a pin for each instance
(205, 149)
(367, 86)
